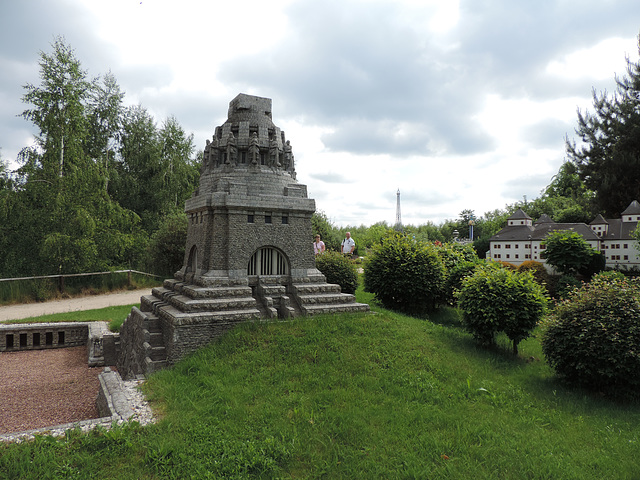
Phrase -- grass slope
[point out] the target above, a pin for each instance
(353, 396)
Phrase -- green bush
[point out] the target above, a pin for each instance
(564, 284)
(455, 275)
(593, 336)
(338, 269)
(537, 269)
(405, 275)
(496, 299)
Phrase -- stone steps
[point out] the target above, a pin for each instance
(315, 288)
(178, 317)
(325, 298)
(342, 308)
(187, 304)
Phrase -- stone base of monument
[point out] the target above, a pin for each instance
(179, 318)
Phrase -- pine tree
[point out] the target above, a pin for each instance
(608, 157)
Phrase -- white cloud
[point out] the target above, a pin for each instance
(599, 62)
(459, 104)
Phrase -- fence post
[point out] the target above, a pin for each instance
(128, 278)
(61, 283)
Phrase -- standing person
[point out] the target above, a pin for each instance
(318, 246)
(348, 245)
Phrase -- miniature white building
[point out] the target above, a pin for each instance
(522, 239)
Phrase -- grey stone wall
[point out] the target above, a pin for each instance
(36, 336)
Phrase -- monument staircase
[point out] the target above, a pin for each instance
(206, 312)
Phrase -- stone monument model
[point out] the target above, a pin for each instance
(249, 252)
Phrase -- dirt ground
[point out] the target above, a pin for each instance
(41, 388)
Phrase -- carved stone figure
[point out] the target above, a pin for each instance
(232, 150)
(214, 153)
(205, 157)
(254, 149)
(288, 156)
(274, 154)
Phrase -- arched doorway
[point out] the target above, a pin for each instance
(268, 261)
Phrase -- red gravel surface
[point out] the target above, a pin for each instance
(42, 388)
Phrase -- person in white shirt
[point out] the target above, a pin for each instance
(318, 246)
(348, 245)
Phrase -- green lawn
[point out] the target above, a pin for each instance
(354, 397)
(107, 314)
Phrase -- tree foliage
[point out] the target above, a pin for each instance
(76, 202)
(570, 254)
(495, 299)
(608, 155)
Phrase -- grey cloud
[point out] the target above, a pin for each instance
(530, 185)
(509, 43)
(548, 134)
(330, 178)
(370, 67)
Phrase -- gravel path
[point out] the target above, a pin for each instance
(40, 388)
(28, 310)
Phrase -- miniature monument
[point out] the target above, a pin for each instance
(249, 252)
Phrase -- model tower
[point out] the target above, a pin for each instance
(249, 252)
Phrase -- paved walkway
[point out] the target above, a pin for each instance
(90, 302)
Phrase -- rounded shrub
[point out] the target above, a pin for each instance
(593, 336)
(537, 269)
(338, 269)
(405, 275)
(496, 299)
(459, 262)
(455, 275)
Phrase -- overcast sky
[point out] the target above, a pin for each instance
(459, 104)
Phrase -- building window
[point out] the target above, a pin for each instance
(267, 219)
(497, 245)
(250, 219)
(285, 220)
(508, 245)
(626, 257)
(507, 255)
(517, 256)
(526, 255)
(625, 245)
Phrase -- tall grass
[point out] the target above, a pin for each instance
(354, 396)
(42, 289)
